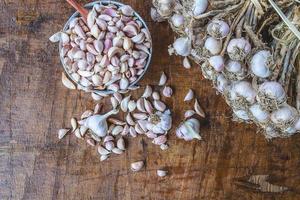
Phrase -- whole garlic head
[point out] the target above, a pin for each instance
(218, 29)
(177, 20)
(235, 70)
(242, 92)
(217, 62)
(259, 114)
(284, 117)
(159, 122)
(241, 114)
(213, 45)
(261, 62)
(189, 130)
(199, 7)
(182, 46)
(271, 95)
(221, 83)
(238, 49)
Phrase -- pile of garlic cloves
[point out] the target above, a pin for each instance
(230, 40)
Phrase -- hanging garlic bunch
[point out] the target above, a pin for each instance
(231, 42)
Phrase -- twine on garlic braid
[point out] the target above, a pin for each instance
(258, 92)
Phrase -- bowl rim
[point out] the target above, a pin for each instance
(89, 6)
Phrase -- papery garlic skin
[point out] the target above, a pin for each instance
(189, 130)
(260, 64)
(259, 114)
(241, 114)
(213, 45)
(217, 62)
(284, 118)
(177, 20)
(155, 16)
(182, 46)
(218, 29)
(238, 48)
(199, 7)
(271, 94)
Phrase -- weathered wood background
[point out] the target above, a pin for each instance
(35, 165)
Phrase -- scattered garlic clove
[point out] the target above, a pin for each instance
(189, 113)
(155, 95)
(96, 97)
(104, 157)
(117, 151)
(121, 144)
(86, 114)
(102, 151)
(74, 124)
(130, 120)
(109, 145)
(114, 102)
(62, 133)
(132, 132)
(118, 96)
(138, 129)
(189, 130)
(186, 63)
(91, 142)
(160, 140)
(164, 147)
(140, 105)
(117, 130)
(137, 166)
(67, 82)
(163, 79)
(83, 130)
(189, 96)
(124, 103)
(159, 105)
(140, 116)
(167, 91)
(131, 105)
(161, 173)
(199, 109)
(77, 134)
(147, 92)
(148, 106)
(125, 130)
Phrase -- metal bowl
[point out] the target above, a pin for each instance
(76, 14)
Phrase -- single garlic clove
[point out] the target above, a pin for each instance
(161, 173)
(137, 166)
(108, 138)
(117, 151)
(104, 157)
(186, 63)
(140, 116)
(55, 37)
(91, 142)
(138, 129)
(189, 96)
(125, 130)
(86, 114)
(167, 91)
(62, 133)
(74, 124)
(96, 97)
(102, 151)
(121, 143)
(118, 96)
(67, 82)
(131, 106)
(163, 79)
(159, 105)
(155, 96)
(127, 10)
(129, 119)
(124, 83)
(148, 106)
(164, 147)
(189, 113)
(147, 92)
(160, 140)
(83, 130)
(117, 130)
(109, 145)
(140, 105)
(199, 109)
(124, 103)
(132, 132)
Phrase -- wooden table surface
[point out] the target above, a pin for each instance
(35, 165)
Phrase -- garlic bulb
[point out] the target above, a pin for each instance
(238, 49)
(284, 117)
(260, 63)
(98, 124)
(189, 130)
(159, 122)
(241, 114)
(271, 95)
(217, 62)
(182, 46)
(213, 45)
(199, 7)
(242, 92)
(177, 20)
(218, 29)
(234, 70)
(259, 114)
(221, 83)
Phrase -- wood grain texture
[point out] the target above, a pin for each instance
(34, 165)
